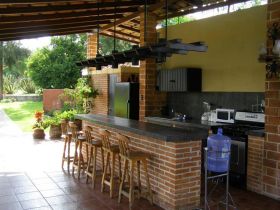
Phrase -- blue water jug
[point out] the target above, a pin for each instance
(218, 152)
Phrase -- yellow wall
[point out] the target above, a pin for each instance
(231, 62)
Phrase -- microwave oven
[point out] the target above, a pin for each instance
(225, 115)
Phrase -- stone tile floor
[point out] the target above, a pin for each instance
(31, 178)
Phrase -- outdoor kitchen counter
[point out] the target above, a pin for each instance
(148, 129)
(174, 164)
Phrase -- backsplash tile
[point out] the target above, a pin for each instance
(191, 104)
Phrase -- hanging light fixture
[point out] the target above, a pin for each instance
(115, 63)
(98, 66)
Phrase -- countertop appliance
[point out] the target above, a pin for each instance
(225, 115)
(244, 122)
(126, 100)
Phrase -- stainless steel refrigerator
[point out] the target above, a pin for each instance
(126, 102)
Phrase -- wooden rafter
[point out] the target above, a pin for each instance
(129, 28)
(135, 41)
(58, 16)
(123, 34)
(70, 7)
(50, 23)
(35, 1)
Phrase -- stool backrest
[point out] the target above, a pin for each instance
(74, 130)
(105, 135)
(88, 131)
(123, 144)
(64, 127)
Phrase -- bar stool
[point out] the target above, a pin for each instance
(78, 162)
(67, 137)
(131, 159)
(110, 151)
(91, 151)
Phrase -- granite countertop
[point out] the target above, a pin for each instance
(165, 133)
(259, 133)
(187, 123)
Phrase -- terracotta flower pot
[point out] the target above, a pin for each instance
(38, 133)
(55, 132)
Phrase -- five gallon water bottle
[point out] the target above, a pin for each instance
(218, 152)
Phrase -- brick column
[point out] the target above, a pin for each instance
(100, 81)
(151, 100)
(271, 163)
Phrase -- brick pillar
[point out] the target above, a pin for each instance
(271, 163)
(100, 81)
(151, 100)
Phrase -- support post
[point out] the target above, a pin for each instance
(1, 70)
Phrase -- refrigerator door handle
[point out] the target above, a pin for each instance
(127, 108)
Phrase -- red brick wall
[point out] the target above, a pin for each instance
(255, 164)
(101, 102)
(51, 99)
(174, 168)
(151, 101)
(271, 162)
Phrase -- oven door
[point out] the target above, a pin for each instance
(238, 156)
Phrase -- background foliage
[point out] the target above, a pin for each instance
(55, 66)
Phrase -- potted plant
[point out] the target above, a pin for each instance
(54, 122)
(39, 126)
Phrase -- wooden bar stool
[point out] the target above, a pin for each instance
(79, 139)
(91, 151)
(110, 151)
(132, 159)
(67, 137)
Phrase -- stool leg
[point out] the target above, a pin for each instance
(120, 167)
(131, 184)
(113, 157)
(64, 150)
(68, 153)
(89, 163)
(138, 179)
(107, 156)
(80, 160)
(75, 157)
(94, 167)
(148, 181)
(125, 169)
(102, 158)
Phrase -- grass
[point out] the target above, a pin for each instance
(22, 113)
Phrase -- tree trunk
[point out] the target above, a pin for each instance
(1, 70)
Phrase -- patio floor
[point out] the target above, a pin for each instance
(31, 178)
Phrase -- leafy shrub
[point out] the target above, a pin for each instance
(68, 115)
(8, 100)
(10, 84)
(27, 85)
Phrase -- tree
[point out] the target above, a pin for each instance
(107, 45)
(176, 20)
(55, 66)
(15, 57)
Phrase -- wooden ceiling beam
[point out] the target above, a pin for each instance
(46, 29)
(201, 8)
(151, 8)
(124, 34)
(35, 1)
(41, 34)
(70, 15)
(129, 28)
(121, 38)
(71, 7)
(50, 23)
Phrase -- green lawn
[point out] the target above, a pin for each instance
(22, 113)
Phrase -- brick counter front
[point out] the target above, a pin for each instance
(174, 167)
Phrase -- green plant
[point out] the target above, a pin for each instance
(68, 115)
(85, 88)
(8, 100)
(10, 84)
(39, 123)
(27, 85)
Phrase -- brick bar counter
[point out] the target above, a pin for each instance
(175, 163)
